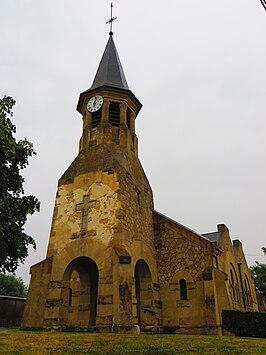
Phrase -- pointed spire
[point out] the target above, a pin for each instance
(109, 74)
(110, 71)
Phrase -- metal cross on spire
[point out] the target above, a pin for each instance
(111, 20)
(263, 3)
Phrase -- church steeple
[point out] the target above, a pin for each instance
(110, 71)
(110, 75)
(102, 228)
(108, 107)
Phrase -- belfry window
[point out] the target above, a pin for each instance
(114, 113)
(183, 289)
(96, 118)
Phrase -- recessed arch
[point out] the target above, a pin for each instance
(81, 275)
(144, 293)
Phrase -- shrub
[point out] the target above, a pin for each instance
(249, 324)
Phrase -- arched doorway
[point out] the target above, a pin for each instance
(144, 294)
(82, 277)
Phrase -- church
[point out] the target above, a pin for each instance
(113, 263)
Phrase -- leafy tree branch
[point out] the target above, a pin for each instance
(14, 205)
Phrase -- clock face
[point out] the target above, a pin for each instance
(95, 103)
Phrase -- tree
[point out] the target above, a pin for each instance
(14, 205)
(259, 272)
(11, 285)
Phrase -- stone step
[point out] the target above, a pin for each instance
(151, 329)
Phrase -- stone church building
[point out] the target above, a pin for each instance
(113, 263)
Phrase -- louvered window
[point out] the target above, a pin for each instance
(114, 113)
(96, 118)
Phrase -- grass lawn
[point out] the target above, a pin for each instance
(14, 341)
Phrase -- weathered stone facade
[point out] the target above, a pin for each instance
(115, 264)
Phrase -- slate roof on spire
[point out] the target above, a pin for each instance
(110, 71)
(109, 74)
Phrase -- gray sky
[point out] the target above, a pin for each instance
(198, 67)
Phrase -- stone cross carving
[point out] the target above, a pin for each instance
(84, 208)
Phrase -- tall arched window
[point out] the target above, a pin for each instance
(247, 293)
(234, 286)
(183, 289)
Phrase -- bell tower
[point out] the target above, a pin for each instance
(100, 272)
(108, 107)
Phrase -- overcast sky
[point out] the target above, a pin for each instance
(199, 69)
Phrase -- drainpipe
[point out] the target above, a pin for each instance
(242, 286)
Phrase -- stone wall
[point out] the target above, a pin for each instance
(231, 259)
(182, 254)
(207, 266)
(179, 249)
(103, 215)
(37, 293)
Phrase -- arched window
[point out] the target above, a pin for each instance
(234, 286)
(247, 293)
(183, 289)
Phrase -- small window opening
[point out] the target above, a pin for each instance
(138, 197)
(183, 289)
(233, 286)
(70, 297)
(128, 118)
(114, 113)
(96, 118)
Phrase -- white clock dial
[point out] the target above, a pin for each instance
(95, 103)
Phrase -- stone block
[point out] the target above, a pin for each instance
(105, 299)
(53, 302)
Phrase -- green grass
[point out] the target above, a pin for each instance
(15, 342)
